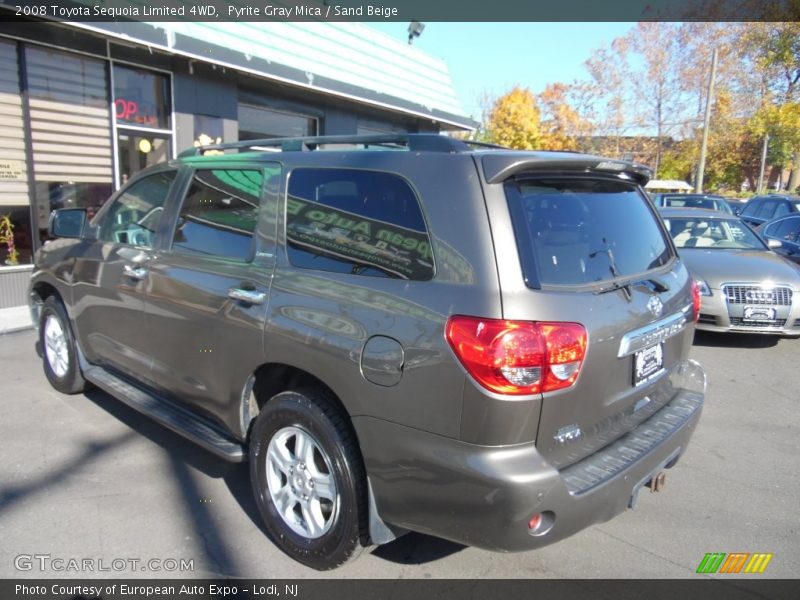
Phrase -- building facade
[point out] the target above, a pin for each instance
(84, 106)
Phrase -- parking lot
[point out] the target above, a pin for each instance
(84, 477)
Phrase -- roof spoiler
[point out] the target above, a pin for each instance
(501, 166)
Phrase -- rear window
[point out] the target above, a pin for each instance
(582, 231)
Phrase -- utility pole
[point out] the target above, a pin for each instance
(763, 164)
(698, 186)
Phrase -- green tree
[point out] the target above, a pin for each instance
(774, 51)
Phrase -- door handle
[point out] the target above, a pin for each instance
(247, 296)
(134, 272)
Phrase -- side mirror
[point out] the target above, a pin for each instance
(773, 243)
(67, 223)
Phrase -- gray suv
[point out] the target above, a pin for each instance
(398, 332)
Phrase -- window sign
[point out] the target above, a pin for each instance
(358, 222)
(141, 98)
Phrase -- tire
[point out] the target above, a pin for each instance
(59, 353)
(308, 479)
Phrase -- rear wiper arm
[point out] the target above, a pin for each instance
(625, 287)
(612, 266)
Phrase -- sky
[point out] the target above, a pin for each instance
(494, 57)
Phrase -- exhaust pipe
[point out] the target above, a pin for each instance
(657, 483)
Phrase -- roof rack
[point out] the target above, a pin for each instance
(429, 142)
(478, 144)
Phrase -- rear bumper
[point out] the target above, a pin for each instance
(485, 496)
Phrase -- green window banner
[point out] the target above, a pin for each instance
(339, 234)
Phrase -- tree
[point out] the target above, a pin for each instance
(607, 68)
(514, 120)
(658, 89)
(563, 127)
(774, 51)
(782, 123)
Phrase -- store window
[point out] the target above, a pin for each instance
(141, 98)
(257, 122)
(143, 115)
(367, 127)
(138, 150)
(16, 241)
(16, 245)
(70, 131)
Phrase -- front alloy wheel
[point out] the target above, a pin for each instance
(59, 351)
(55, 346)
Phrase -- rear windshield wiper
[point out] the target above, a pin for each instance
(612, 266)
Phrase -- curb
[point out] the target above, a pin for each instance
(15, 329)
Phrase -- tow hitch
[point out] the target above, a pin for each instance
(657, 483)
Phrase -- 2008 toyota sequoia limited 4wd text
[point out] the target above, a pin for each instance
(402, 332)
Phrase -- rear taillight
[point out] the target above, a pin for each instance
(695, 300)
(518, 357)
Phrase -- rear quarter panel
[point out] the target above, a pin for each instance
(319, 321)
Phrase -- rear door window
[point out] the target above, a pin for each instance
(584, 231)
(358, 222)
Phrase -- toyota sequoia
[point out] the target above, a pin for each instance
(398, 332)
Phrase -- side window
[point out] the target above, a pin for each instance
(751, 208)
(784, 230)
(134, 216)
(358, 222)
(219, 214)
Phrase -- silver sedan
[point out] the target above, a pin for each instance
(744, 285)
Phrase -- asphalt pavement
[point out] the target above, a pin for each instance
(85, 478)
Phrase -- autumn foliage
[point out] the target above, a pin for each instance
(645, 96)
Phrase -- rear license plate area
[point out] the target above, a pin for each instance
(647, 363)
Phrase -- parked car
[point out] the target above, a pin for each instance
(744, 285)
(761, 209)
(706, 201)
(485, 345)
(736, 205)
(786, 231)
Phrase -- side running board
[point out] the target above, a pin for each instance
(175, 417)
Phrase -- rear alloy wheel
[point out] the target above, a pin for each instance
(59, 352)
(308, 479)
(300, 482)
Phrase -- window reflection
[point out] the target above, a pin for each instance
(219, 214)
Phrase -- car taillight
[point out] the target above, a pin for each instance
(695, 300)
(518, 357)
